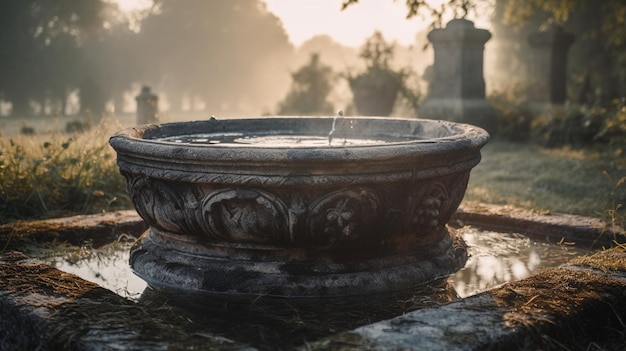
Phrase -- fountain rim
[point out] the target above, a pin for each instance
(463, 138)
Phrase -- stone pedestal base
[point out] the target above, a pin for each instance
(477, 112)
(168, 262)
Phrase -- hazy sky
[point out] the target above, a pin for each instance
(304, 19)
(131, 5)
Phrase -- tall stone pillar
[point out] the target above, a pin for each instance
(457, 87)
(147, 106)
(548, 67)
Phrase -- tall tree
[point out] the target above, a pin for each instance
(111, 62)
(599, 53)
(232, 55)
(375, 90)
(37, 37)
(310, 87)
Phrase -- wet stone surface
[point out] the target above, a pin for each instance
(494, 258)
(44, 308)
(580, 302)
(569, 307)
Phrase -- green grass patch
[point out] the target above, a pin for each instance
(575, 181)
(59, 174)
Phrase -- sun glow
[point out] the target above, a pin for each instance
(133, 5)
(304, 19)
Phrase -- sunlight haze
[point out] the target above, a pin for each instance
(133, 5)
(304, 19)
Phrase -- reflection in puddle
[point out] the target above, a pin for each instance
(495, 258)
(264, 323)
(107, 266)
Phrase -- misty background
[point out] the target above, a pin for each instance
(89, 59)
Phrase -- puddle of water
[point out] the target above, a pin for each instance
(107, 266)
(495, 258)
(498, 258)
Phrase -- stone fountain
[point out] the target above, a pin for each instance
(278, 207)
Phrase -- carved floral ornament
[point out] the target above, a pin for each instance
(249, 215)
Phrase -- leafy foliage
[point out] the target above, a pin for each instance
(599, 52)
(614, 128)
(615, 212)
(309, 92)
(424, 8)
(376, 89)
(569, 126)
(513, 117)
(224, 53)
(39, 44)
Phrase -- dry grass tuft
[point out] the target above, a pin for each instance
(59, 174)
(613, 260)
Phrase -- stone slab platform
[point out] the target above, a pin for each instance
(584, 232)
(99, 229)
(44, 308)
(566, 308)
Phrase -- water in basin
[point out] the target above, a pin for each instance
(276, 141)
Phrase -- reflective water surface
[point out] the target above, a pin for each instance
(495, 258)
(275, 140)
(107, 266)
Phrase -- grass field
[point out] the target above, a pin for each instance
(57, 174)
(575, 181)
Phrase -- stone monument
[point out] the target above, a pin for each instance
(548, 67)
(147, 106)
(457, 88)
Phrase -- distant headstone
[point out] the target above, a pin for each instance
(92, 101)
(457, 85)
(548, 66)
(147, 106)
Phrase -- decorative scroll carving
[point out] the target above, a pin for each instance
(161, 205)
(246, 215)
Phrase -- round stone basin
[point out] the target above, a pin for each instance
(275, 206)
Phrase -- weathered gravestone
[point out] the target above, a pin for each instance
(457, 86)
(147, 106)
(548, 66)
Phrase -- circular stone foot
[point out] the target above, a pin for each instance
(174, 265)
